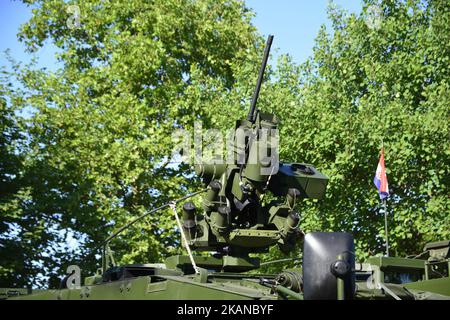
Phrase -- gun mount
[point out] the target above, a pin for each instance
(236, 221)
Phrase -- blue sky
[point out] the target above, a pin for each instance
(12, 15)
(294, 23)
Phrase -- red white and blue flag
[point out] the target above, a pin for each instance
(380, 179)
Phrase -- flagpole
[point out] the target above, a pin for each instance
(380, 181)
(386, 226)
(386, 233)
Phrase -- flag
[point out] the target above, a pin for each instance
(380, 179)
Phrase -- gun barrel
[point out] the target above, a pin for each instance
(251, 114)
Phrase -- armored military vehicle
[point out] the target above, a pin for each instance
(235, 221)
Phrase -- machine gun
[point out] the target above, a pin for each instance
(235, 219)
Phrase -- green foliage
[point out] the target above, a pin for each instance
(96, 150)
(10, 168)
(364, 85)
(100, 137)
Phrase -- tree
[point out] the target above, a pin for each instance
(10, 170)
(30, 240)
(100, 135)
(369, 81)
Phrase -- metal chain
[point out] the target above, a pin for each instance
(173, 206)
